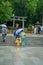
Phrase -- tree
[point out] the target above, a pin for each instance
(1, 1)
(31, 6)
(5, 11)
(19, 10)
(40, 9)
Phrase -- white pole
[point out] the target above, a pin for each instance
(14, 22)
(23, 23)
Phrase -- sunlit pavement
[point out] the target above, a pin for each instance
(12, 55)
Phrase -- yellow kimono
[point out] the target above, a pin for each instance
(18, 41)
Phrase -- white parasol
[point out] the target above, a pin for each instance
(19, 30)
(3, 25)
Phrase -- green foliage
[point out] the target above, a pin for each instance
(31, 6)
(33, 9)
(14, 1)
(29, 27)
(20, 10)
(40, 6)
(11, 28)
(5, 11)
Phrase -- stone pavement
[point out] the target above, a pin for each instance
(12, 55)
(32, 54)
(31, 40)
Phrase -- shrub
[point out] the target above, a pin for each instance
(11, 28)
(29, 27)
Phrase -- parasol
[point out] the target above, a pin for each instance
(3, 25)
(19, 30)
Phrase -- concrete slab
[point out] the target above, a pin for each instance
(12, 55)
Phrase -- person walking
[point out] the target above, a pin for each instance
(4, 32)
(15, 34)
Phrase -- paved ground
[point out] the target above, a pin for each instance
(31, 40)
(32, 54)
(11, 55)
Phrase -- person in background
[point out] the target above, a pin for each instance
(33, 28)
(17, 27)
(36, 29)
(4, 32)
(39, 30)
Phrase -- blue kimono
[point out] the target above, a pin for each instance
(16, 35)
(23, 38)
